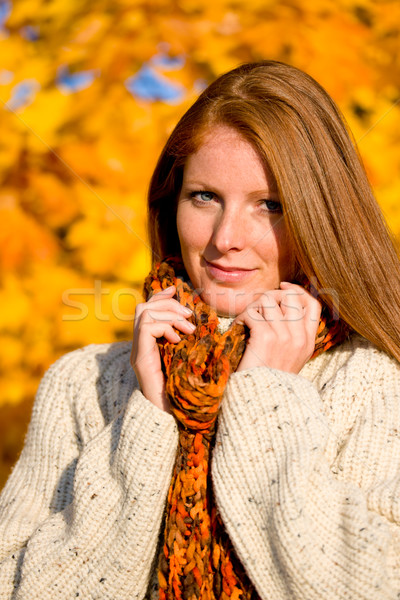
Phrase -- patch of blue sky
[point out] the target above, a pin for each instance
(69, 83)
(148, 84)
(164, 60)
(23, 94)
(5, 10)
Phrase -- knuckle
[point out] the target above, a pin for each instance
(268, 300)
(269, 336)
(147, 325)
(148, 315)
(315, 302)
(286, 338)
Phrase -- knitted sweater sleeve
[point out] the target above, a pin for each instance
(81, 512)
(307, 479)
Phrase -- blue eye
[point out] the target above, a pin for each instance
(203, 196)
(273, 206)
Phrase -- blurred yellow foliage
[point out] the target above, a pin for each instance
(89, 92)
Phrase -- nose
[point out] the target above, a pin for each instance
(229, 230)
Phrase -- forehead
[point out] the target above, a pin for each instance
(224, 153)
(219, 138)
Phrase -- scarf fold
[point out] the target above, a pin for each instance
(197, 560)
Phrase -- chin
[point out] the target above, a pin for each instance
(228, 306)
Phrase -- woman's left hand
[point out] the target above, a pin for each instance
(283, 324)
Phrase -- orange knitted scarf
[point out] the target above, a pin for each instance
(197, 560)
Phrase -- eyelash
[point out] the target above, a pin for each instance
(278, 206)
(194, 196)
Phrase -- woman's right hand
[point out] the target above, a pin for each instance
(154, 319)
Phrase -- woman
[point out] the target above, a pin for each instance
(258, 190)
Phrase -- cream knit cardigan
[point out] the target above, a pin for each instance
(306, 473)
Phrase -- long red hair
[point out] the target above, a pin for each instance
(341, 240)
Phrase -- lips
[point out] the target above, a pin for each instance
(226, 268)
(229, 274)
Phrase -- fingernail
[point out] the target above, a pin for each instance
(168, 288)
(186, 311)
(191, 325)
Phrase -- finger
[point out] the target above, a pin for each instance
(263, 311)
(309, 301)
(150, 316)
(271, 300)
(153, 331)
(145, 340)
(312, 306)
(171, 335)
(314, 310)
(293, 306)
(269, 307)
(287, 318)
(295, 288)
(250, 317)
(254, 317)
(163, 303)
(311, 314)
(169, 291)
(147, 344)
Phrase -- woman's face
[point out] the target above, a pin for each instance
(232, 234)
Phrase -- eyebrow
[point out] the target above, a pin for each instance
(207, 186)
(195, 183)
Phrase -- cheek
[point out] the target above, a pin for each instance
(193, 232)
(184, 226)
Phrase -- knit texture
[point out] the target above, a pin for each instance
(305, 469)
(197, 560)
